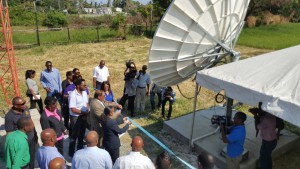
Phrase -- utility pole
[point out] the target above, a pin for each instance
(151, 17)
(58, 1)
(36, 25)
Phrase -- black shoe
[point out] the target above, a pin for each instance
(168, 118)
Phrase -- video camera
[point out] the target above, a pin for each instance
(130, 64)
(132, 70)
(224, 120)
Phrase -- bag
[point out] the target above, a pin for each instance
(279, 123)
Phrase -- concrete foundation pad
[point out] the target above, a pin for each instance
(212, 143)
(35, 116)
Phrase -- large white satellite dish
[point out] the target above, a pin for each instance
(194, 35)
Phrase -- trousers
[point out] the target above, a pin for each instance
(266, 153)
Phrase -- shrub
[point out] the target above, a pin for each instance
(21, 16)
(118, 21)
(251, 21)
(55, 19)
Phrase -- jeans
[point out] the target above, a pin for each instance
(130, 103)
(32, 149)
(140, 99)
(152, 99)
(163, 107)
(98, 85)
(57, 95)
(78, 125)
(33, 103)
(266, 153)
(66, 114)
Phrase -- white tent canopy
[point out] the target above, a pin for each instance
(272, 78)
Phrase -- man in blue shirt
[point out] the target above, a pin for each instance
(48, 151)
(235, 140)
(51, 81)
(91, 156)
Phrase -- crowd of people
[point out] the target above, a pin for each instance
(101, 116)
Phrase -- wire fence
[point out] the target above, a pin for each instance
(84, 34)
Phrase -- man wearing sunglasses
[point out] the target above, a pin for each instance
(19, 110)
(51, 81)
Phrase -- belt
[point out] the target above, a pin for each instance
(141, 87)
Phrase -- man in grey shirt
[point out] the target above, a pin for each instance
(142, 89)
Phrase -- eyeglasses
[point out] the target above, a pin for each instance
(77, 72)
(48, 65)
(21, 104)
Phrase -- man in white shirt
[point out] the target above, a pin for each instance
(79, 108)
(134, 160)
(91, 156)
(142, 89)
(100, 75)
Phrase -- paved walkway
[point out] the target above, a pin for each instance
(36, 120)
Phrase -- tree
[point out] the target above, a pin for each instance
(160, 7)
(108, 3)
(117, 3)
(55, 19)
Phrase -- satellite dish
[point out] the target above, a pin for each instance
(194, 35)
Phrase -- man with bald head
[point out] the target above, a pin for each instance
(134, 159)
(91, 156)
(57, 163)
(48, 151)
(100, 75)
(18, 111)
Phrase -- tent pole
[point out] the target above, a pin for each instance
(194, 113)
(229, 107)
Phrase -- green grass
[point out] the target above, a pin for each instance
(271, 37)
(61, 36)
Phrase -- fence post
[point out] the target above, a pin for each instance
(98, 34)
(69, 38)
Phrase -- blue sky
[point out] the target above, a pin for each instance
(105, 1)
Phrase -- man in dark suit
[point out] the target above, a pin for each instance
(97, 105)
(111, 131)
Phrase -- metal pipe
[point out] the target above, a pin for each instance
(36, 26)
(206, 135)
(194, 114)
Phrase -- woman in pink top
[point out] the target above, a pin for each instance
(51, 118)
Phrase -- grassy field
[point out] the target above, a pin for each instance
(116, 53)
(271, 36)
(25, 36)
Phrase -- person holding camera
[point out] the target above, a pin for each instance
(142, 89)
(235, 139)
(167, 95)
(130, 86)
